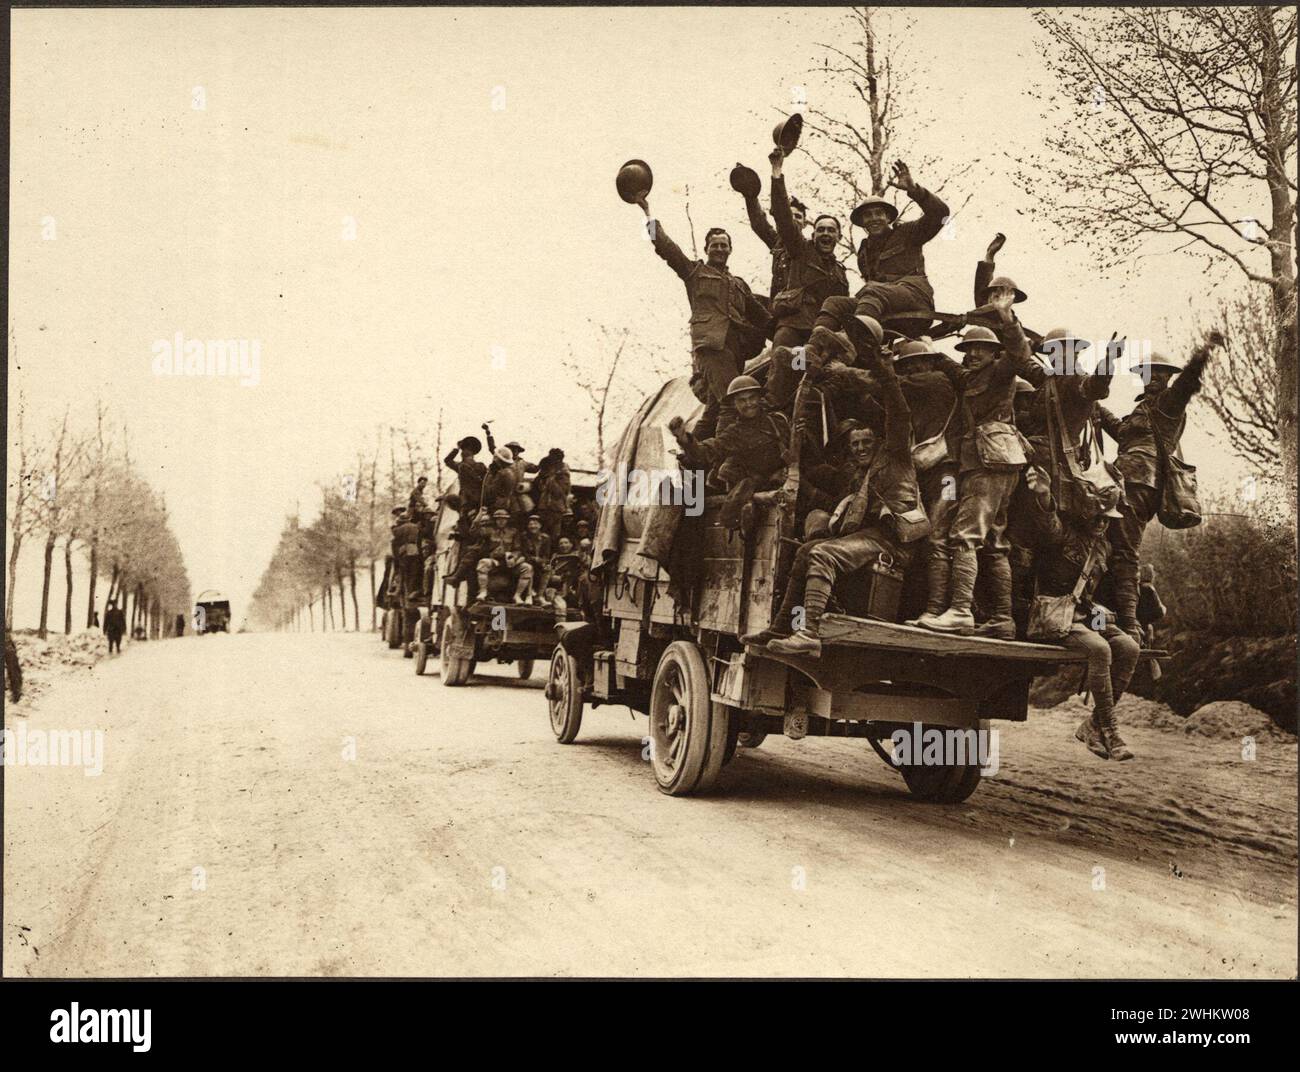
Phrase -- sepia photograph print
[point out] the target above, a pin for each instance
(651, 493)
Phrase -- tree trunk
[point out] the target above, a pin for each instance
(67, 576)
(94, 576)
(352, 578)
(15, 547)
(343, 606)
(45, 585)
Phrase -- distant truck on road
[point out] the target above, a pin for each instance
(211, 613)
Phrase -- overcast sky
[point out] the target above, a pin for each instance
(472, 154)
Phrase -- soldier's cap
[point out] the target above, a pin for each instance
(503, 455)
(398, 510)
(516, 446)
(584, 521)
(977, 334)
(1061, 336)
(745, 181)
(873, 326)
(833, 343)
(470, 443)
(501, 513)
(913, 348)
(1112, 512)
(423, 480)
(534, 517)
(859, 216)
(742, 384)
(1003, 281)
(1155, 361)
(1023, 384)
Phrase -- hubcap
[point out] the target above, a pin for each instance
(669, 723)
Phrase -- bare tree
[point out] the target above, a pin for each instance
(1177, 133)
(57, 504)
(1240, 389)
(850, 146)
(23, 514)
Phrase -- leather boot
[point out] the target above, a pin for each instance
(937, 571)
(1000, 624)
(958, 618)
(1124, 576)
(807, 641)
(1110, 735)
(1090, 734)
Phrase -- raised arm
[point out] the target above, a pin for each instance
(1174, 400)
(665, 246)
(759, 223)
(1109, 422)
(450, 461)
(1016, 360)
(898, 415)
(933, 211)
(984, 269)
(785, 225)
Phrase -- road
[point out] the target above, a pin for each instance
(304, 805)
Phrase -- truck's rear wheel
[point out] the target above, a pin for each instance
(421, 656)
(456, 669)
(688, 732)
(524, 668)
(393, 627)
(564, 695)
(947, 783)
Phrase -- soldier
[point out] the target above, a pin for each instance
(502, 549)
(499, 484)
(1161, 411)
(1072, 563)
(749, 454)
(408, 560)
(991, 455)
(728, 324)
(469, 476)
(889, 258)
(562, 575)
(535, 546)
(813, 274)
(417, 503)
(551, 489)
(883, 517)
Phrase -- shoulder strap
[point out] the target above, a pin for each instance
(1089, 561)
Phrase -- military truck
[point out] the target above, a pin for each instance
(211, 613)
(464, 632)
(673, 651)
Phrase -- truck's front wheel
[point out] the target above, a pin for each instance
(564, 695)
(688, 732)
(456, 669)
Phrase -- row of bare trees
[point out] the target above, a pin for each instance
(78, 487)
(313, 572)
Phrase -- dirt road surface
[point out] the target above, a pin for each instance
(305, 805)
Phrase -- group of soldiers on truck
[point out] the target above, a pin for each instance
(516, 520)
(986, 477)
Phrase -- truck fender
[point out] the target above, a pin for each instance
(578, 639)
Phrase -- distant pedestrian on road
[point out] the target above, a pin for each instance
(114, 626)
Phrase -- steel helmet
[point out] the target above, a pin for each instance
(1023, 384)
(741, 384)
(786, 133)
(873, 327)
(1004, 281)
(859, 213)
(1155, 361)
(745, 181)
(905, 351)
(975, 334)
(634, 180)
(500, 513)
(1061, 336)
